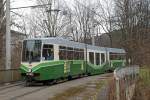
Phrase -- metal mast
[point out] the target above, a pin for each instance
(8, 36)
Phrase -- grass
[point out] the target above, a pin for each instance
(68, 93)
(142, 91)
(145, 75)
(82, 92)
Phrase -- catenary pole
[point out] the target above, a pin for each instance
(8, 36)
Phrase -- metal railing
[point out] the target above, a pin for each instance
(123, 85)
(10, 75)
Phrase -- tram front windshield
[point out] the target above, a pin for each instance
(31, 51)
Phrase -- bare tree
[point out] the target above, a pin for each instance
(2, 32)
(134, 24)
(2, 15)
(49, 20)
(95, 17)
(82, 20)
(107, 17)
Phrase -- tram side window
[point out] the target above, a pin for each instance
(102, 58)
(112, 57)
(70, 53)
(91, 57)
(62, 53)
(97, 57)
(123, 57)
(48, 52)
(81, 54)
(116, 56)
(76, 54)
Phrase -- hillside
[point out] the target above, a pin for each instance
(137, 50)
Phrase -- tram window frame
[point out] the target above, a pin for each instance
(91, 57)
(97, 58)
(49, 56)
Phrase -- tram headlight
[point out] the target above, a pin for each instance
(30, 74)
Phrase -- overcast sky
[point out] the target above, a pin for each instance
(20, 3)
(23, 3)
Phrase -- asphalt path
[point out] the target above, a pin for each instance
(40, 92)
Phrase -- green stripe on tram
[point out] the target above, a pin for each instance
(63, 68)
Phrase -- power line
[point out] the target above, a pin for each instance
(17, 14)
(30, 6)
(57, 10)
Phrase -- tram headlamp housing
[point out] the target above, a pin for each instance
(30, 70)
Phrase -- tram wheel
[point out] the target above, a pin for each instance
(69, 77)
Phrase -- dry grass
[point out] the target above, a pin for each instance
(84, 92)
(142, 91)
(143, 86)
(112, 90)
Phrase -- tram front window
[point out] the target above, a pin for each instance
(31, 51)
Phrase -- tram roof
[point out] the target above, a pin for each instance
(68, 43)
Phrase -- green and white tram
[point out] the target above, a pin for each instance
(48, 59)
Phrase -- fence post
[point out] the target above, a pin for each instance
(117, 89)
(129, 75)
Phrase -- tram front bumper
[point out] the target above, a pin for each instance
(30, 76)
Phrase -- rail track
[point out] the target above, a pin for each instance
(18, 90)
(11, 85)
(29, 92)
